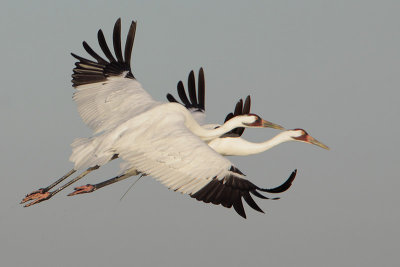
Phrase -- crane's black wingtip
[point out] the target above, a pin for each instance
(171, 98)
(89, 71)
(240, 109)
(238, 206)
(192, 89)
(283, 187)
(196, 102)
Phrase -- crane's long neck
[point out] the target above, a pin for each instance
(241, 147)
(210, 134)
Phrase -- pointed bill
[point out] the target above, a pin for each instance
(268, 124)
(314, 141)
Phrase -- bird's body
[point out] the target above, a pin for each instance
(153, 123)
(164, 140)
(229, 144)
(160, 140)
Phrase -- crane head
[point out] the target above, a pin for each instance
(253, 120)
(302, 136)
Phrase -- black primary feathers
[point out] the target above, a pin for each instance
(239, 110)
(196, 102)
(230, 190)
(88, 71)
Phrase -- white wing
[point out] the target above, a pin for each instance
(107, 104)
(165, 149)
(107, 92)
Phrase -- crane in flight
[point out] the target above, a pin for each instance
(229, 144)
(162, 140)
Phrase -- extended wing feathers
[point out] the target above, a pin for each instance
(196, 103)
(181, 161)
(107, 92)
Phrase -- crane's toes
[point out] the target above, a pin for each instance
(37, 197)
(82, 190)
(33, 195)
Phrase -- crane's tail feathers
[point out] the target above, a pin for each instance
(85, 153)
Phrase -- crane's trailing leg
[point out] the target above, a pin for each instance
(89, 188)
(43, 193)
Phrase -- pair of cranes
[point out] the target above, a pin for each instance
(164, 140)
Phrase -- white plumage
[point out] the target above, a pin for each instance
(105, 105)
(231, 143)
(153, 138)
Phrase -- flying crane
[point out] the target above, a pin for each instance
(162, 140)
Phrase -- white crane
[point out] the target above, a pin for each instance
(161, 140)
(229, 144)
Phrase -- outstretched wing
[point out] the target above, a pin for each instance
(165, 149)
(195, 103)
(107, 92)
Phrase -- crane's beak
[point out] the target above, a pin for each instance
(267, 124)
(314, 141)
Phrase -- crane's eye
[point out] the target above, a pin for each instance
(256, 123)
(257, 118)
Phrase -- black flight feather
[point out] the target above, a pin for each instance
(104, 46)
(182, 94)
(171, 98)
(239, 110)
(230, 190)
(192, 89)
(117, 41)
(196, 98)
(129, 44)
(88, 71)
(93, 54)
(201, 89)
(283, 187)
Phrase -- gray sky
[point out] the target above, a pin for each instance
(330, 67)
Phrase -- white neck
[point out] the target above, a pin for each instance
(210, 134)
(241, 147)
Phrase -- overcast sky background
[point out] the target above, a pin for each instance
(330, 67)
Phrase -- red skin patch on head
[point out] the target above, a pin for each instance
(304, 137)
(258, 122)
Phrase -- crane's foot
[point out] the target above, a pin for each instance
(83, 189)
(38, 196)
(34, 194)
